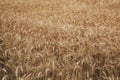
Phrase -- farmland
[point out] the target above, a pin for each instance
(59, 39)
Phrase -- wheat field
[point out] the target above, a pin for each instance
(59, 39)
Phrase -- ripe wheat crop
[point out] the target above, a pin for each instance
(59, 39)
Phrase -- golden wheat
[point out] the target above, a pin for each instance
(60, 40)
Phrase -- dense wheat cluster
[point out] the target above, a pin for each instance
(59, 39)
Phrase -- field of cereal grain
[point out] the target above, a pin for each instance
(59, 39)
